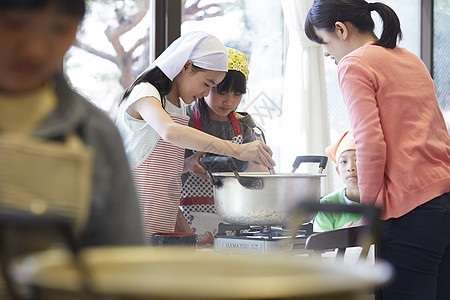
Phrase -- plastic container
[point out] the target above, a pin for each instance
(174, 239)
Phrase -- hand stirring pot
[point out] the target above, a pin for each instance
(258, 135)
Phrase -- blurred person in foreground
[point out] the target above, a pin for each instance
(343, 154)
(59, 155)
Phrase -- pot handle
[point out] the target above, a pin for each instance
(322, 160)
(225, 164)
(220, 163)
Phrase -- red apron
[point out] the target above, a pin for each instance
(197, 194)
(158, 183)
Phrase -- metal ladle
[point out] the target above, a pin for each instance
(258, 135)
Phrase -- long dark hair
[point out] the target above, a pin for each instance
(158, 79)
(325, 13)
(76, 8)
(234, 82)
(154, 76)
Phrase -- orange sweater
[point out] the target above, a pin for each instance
(402, 143)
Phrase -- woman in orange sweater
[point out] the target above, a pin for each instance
(402, 143)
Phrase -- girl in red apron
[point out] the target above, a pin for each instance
(152, 121)
(215, 115)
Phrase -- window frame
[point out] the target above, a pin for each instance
(426, 33)
(167, 28)
(167, 24)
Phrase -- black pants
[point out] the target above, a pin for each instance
(418, 246)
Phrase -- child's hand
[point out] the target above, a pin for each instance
(191, 164)
(257, 151)
(182, 224)
(351, 224)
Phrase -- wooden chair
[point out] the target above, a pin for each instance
(344, 238)
(25, 234)
(341, 239)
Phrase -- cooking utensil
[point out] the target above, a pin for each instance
(259, 135)
(178, 273)
(259, 198)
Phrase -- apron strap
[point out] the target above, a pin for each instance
(231, 116)
(234, 121)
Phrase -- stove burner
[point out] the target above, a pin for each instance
(260, 239)
(271, 232)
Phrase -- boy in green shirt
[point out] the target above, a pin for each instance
(343, 153)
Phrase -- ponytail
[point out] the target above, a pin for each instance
(325, 13)
(391, 26)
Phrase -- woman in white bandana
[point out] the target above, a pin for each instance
(152, 120)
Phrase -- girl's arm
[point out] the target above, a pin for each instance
(182, 224)
(150, 110)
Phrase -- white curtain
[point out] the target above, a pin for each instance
(305, 114)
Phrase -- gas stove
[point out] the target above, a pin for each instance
(259, 239)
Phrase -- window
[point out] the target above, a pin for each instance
(441, 59)
(112, 49)
(255, 28)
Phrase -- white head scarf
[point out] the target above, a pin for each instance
(203, 49)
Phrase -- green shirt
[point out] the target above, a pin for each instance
(330, 220)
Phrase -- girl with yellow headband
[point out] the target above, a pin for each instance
(216, 115)
(152, 121)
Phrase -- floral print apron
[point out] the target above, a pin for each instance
(197, 195)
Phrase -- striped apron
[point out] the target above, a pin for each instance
(158, 183)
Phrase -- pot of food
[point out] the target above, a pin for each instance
(253, 198)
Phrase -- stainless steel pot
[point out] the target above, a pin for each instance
(260, 198)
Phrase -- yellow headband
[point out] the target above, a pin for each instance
(237, 61)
